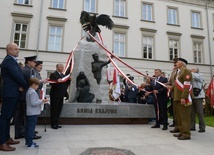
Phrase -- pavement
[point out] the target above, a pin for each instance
(138, 139)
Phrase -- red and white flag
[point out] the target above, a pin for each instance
(210, 92)
(116, 84)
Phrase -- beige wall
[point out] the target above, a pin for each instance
(73, 32)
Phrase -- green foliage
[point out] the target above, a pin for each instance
(209, 120)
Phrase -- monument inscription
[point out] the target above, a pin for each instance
(97, 111)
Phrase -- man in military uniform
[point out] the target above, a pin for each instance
(37, 70)
(28, 72)
(182, 99)
(170, 86)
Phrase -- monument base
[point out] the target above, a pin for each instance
(104, 113)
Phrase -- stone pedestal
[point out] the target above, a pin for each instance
(104, 113)
(82, 62)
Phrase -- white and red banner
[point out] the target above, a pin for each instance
(210, 92)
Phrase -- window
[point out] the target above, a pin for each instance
(173, 49)
(147, 12)
(197, 52)
(147, 47)
(119, 44)
(59, 4)
(27, 2)
(55, 38)
(196, 19)
(119, 8)
(172, 16)
(90, 5)
(20, 34)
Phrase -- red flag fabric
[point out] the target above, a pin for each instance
(210, 92)
(115, 77)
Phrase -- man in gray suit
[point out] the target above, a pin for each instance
(197, 105)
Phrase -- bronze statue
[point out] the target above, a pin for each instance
(97, 66)
(83, 88)
(90, 23)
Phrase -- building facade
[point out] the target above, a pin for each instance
(147, 34)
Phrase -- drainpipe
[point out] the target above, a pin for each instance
(39, 28)
(208, 35)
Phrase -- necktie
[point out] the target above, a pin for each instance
(157, 78)
(61, 75)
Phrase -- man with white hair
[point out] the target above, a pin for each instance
(197, 105)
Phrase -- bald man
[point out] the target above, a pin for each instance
(13, 84)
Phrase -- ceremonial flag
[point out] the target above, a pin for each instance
(210, 92)
(116, 84)
(43, 96)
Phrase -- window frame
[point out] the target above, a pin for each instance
(200, 40)
(56, 22)
(21, 18)
(125, 42)
(19, 43)
(199, 22)
(175, 36)
(177, 15)
(147, 52)
(64, 4)
(23, 2)
(197, 51)
(124, 8)
(152, 11)
(145, 32)
(55, 35)
(89, 9)
(178, 48)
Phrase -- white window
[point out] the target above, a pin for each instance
(173, 49)
(196, 19)
(90, 5)
(55, 38)
(172, 16)
(197, 52)
(27, 2)
(20, 34)
(147, 47)
(119, 44)
(119, 8)
(147, 12)
(59, 4)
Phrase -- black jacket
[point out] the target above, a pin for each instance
(58, 89)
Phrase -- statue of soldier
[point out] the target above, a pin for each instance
(97, 66)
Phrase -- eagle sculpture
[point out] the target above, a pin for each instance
(90, 23)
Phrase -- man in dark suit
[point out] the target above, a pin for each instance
(57, 94)
(131, 91)
(160, 93)
(13, 84)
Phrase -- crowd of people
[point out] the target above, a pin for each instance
(21, 97)
(176, 91)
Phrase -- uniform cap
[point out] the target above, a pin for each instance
(39, 62)
(30, 58)
(183, 60)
